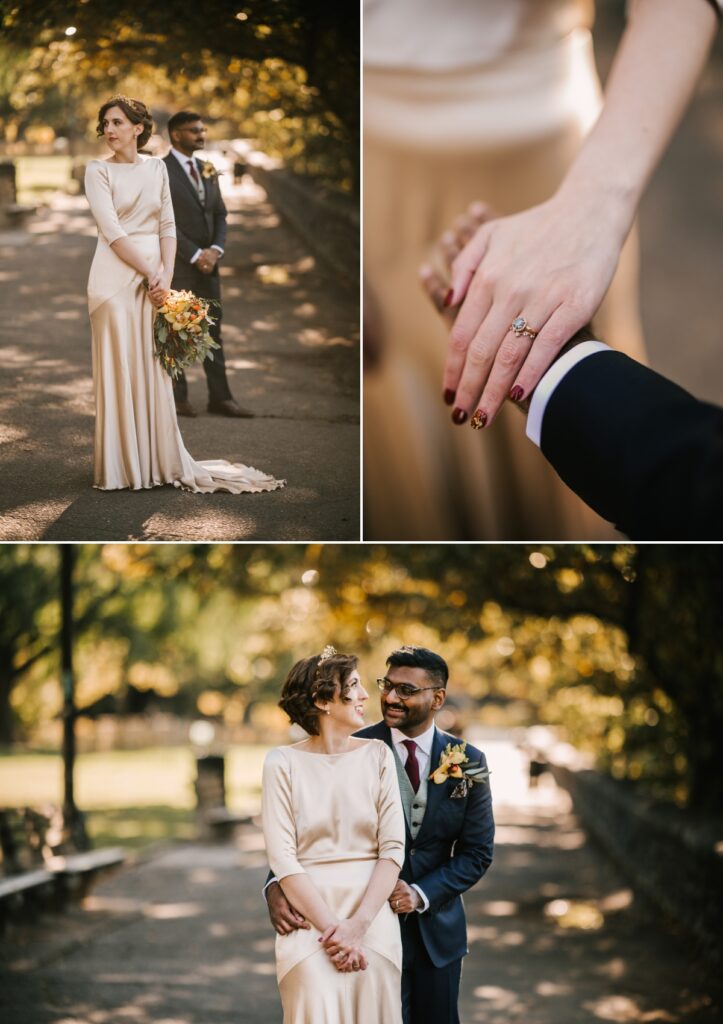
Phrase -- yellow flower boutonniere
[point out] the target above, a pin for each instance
(208, 170)
(454, 764)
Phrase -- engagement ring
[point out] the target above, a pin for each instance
(521, 328)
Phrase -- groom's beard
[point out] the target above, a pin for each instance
(408, 719)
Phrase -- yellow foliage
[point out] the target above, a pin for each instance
(146, 676)
(211, 703)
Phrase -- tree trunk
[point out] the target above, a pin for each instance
(7, 716)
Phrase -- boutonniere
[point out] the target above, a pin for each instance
(208, 170)
(454, 764)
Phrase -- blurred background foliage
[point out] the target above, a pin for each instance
(616, 646)
(284, 73)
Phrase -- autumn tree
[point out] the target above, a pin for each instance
(286, 71)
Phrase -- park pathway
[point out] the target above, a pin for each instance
(556, 936)
(291, 336)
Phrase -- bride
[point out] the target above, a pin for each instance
(334, 832)
(137, 440)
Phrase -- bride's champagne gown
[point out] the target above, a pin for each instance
(332, 816)
(137, 440)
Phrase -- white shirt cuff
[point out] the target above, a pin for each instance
(270, 882)
(425, 901)
(543, 391)
(196, 254)
(218, 249)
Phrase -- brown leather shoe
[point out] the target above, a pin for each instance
(184, 408)
(230, 407)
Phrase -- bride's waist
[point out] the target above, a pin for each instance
(340, 865)
(136, 236)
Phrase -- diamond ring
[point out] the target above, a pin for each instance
(521, 328)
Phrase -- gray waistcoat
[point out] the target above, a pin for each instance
(414, 804)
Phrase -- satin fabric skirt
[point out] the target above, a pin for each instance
(312, 990)
(137, 440)
(433, 143)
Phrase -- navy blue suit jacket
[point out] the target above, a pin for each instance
(638, 449)
(452, 851)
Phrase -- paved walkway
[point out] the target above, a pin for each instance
(291, 336)
(555, 936)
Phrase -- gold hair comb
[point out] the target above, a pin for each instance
(328, 652)
(134, 104)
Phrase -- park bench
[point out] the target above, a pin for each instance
(35, 873)
(75, 872)
(25, 882)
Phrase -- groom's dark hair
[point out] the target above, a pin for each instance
(420, 657)
(182, 117)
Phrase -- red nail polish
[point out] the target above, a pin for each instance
(449, 396)
(479, 420)
(448, 297)
(516, 393)
(459, 416)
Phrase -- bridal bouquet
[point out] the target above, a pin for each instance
(181, 331)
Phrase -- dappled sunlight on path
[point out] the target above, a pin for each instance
(556, 934)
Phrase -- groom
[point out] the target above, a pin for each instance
(449, 838)
(200, 215)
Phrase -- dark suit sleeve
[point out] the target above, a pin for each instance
(637, 448)
(472, 850)
(219, 218)
(186, 247)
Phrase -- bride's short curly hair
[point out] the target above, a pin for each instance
(311, 680)
(136, 112)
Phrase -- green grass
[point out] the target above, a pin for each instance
(136, 827)
(39, 176)
(131, 797)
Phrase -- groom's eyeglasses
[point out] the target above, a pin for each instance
(404, 690)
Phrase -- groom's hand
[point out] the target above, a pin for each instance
(207, 261)
(283, 916)
(404, 899)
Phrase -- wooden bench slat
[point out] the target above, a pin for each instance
(13, 885)
(81, 863)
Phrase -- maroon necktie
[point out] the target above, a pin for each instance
(194, 173)
(412, 765)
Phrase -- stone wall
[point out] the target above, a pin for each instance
(327, 221)
(675, 860)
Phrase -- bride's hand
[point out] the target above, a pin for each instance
(159, 284)
(351, 963)
(552, 265)
(158, 295)
(342, 943)
(348, 962)
(155, 277)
